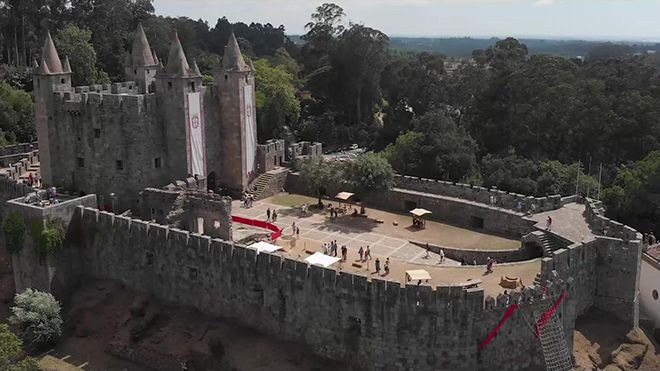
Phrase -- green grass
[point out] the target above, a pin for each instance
(292, 200)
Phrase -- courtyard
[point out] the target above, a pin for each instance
(389, 239)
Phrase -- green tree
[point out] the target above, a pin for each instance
(16, 115)
(14, 230)
(369, 174)
(36, 316)
(75, 43)
(510, 172)
(278, 108)
(11, 357)
(608, 50)
(634, 197)
(436, 148)
(560, 179)
(319, 175)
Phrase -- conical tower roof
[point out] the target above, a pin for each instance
(141, 54)
(233, 59)
(177, 64)
(156, 61)
(43, 68)
(67, 66)
(49, 54)
(195, 69)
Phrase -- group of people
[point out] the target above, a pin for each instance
(248, 200)
(386, 268)
(330, 248)
(271, 216)
(304, 209)
(33, 181)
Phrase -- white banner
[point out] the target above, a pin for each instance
(196, 152)
(250, 131)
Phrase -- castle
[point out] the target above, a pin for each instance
(162, 125)
(136, 139)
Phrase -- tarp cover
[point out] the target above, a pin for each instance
(344, 195)
(418, 274)
(264, 246)
(420, 212)
(322, 259)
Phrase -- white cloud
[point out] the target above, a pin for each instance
(544, 2)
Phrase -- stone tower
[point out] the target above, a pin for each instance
(142, 65)
(234, 81)
(179, 99)
(49, 76)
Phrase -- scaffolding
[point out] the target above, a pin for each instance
(553, 341)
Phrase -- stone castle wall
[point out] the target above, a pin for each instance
(495, 197)
(372, 323)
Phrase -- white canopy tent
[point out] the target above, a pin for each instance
(344, 196)
(417, 275)
(264, 247)
(420, 212)
(322, 259)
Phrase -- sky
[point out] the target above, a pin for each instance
(633, 20)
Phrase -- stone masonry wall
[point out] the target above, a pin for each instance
(499, 198)
(371, 323)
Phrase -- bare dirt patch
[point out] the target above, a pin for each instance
(602, 341)
(143, 334)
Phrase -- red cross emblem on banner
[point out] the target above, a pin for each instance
(195, 122)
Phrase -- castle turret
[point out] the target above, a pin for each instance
(234, 84)
(48, 77)
(180, 102)
(142, 65)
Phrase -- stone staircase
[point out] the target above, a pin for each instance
(268, 183)
(259, 185)
(548, 244)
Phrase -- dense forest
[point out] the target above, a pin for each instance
(522, 121)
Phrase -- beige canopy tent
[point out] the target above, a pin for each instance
(418, 217)
(418, 275)
(420, 212)
(344, 196)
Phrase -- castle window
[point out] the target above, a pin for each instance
(192, 86)
(63, 81)
(135, 72)
(157, 163)
(655, 294)
(247, 80)
(149, 258)
(81, 162)
(169, 84)
(119, 165)
(97, 133)
(192, 273)
(226, 77)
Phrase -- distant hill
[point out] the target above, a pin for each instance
(462, 47)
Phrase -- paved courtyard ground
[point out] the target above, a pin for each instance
(387, 240)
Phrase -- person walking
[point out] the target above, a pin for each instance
(268, 215)
(367, 254)
(274, 216)
(293, 228)
(442, 256)
(361, 253)
(387, 266)
(297, 232)
(548, 224)
(344, 252)
(377, 266)
(427, 251)
(325, 248)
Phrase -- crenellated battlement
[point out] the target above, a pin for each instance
(493, 196)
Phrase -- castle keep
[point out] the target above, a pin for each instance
(162, 125)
